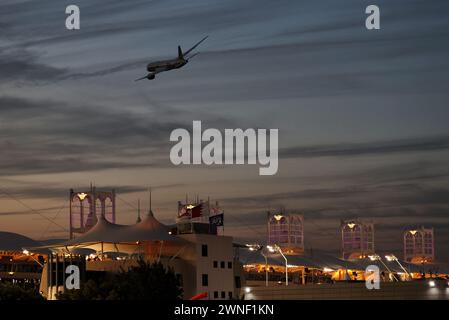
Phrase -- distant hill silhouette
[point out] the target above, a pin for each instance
(10, 241)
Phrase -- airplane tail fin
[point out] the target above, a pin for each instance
(180, 55)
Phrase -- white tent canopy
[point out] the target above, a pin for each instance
(103, 231)
(149, 229)
(107, 236)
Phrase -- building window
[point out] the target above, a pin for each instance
(204, 250)
(222, 264)
(230, 295)
(215, 264)
(205, 280)
(223, 294)
(229, 265)
(238, 283)
(215, 294)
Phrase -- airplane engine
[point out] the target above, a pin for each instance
(151, 77)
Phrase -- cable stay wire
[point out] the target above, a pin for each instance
(31, 209)
(55, 216)
(246, 225)
(126, 202)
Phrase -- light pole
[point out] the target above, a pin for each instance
(278, 249)
(375, 257)
(392, 257)
(266, 267)
(260, 248)
(29, 254)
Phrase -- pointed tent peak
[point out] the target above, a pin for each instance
(151, 222)
(92, 220)
(150, 229)
(138, 212)
(102, 231)
(102, 223)
(149, 200)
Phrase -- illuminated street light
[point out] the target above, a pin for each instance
(266, 267)
(278, 249)
(392, 257)
(28, 253)
(253, 247)
(376, 257)
(247, 290)
(258, 247)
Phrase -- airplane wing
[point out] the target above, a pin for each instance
(196, 45)
(192, 55)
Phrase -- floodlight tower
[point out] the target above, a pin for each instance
(419, 245)
(286, 231)
(87, 206)
(357, 239)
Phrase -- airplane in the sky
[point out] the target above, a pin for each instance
(165, 65)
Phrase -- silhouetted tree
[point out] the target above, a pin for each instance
(9, 291)
(142, 282)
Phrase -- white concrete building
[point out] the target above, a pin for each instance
(203, 260)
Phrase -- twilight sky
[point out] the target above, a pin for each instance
(362, 115)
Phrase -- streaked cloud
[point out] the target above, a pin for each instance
(420, 144)
(362, 115)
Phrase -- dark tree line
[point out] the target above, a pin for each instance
(10, 291)
(146, 281)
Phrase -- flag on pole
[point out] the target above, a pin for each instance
(190, 211)
(217, 220)
(196, 211)
(182, 211)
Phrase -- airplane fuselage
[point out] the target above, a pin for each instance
(156, 67)
(166, 65)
